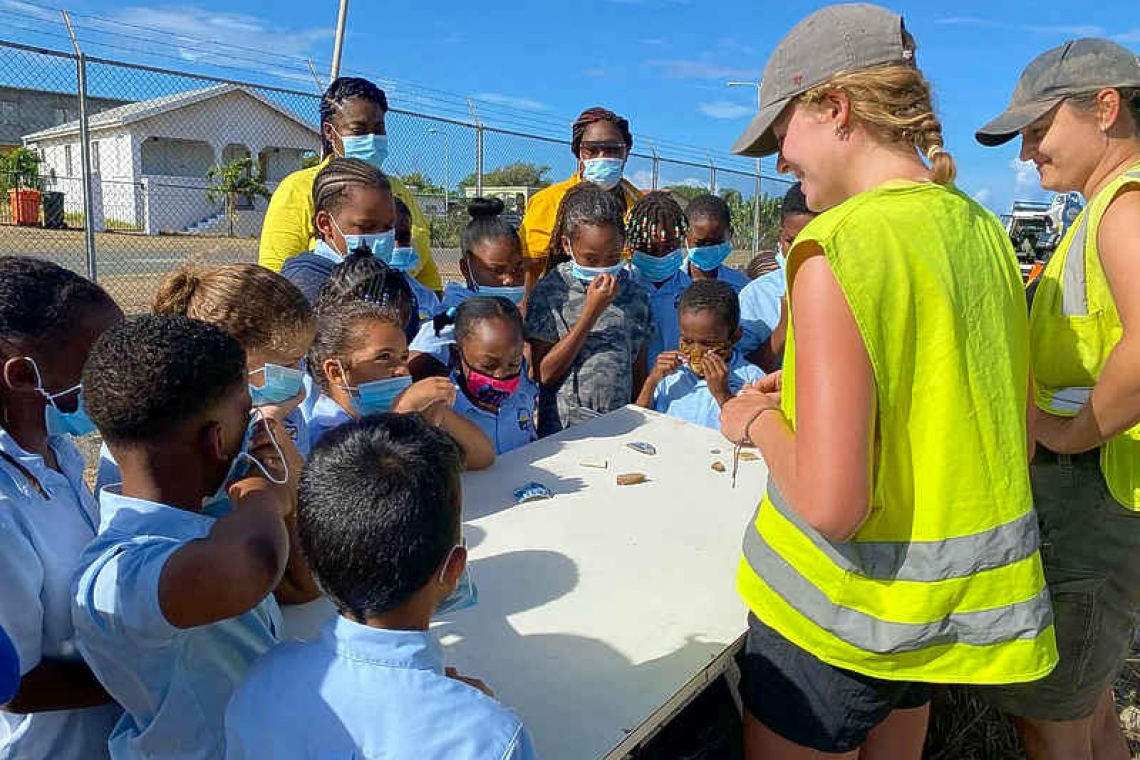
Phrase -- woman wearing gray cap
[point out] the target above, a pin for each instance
(1077, 109)
(896, 546)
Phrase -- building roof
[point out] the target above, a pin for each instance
(145, 109)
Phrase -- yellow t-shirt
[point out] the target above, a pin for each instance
(288, 228)
(542, 210)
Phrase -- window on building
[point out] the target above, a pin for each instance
(68, 166)
(59, 116)
(94, 156)
(7, 112)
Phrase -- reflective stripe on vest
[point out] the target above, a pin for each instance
(1023, 620)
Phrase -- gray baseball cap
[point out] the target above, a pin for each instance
(830, 41)
(1075, 68)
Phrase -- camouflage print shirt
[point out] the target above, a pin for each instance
(601, 378)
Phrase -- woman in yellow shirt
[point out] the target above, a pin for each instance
(601, 142)
(352, 126)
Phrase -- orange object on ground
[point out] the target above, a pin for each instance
(25, 206)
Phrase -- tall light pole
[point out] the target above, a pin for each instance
(756, 200)
(338, 43)
(446, 165)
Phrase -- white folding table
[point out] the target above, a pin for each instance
(604, 610)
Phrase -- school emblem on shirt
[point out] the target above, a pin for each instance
(524, 419)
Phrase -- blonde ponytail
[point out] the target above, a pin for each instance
(894, 103)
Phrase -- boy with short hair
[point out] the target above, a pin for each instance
(693, 383)
(379, 522)
(170, 604)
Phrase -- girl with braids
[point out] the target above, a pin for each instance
(655, 233)
(359, 361)
(353, 113)
(601, 141)
(709, 242)
(492, 265)
(1077, 111)
(588, 322)
(49, 319)
(896, 545)
(490, 370)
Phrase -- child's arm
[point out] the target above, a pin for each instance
(667, 363)
(553, 363)
(238, 564)
(477, 447)
(297, 585)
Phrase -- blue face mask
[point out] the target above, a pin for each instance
(708, 257)
(404, 259)
(281, 384)
(240, 465)
(58, 422)
(372, 149)
(380, 243)
(325, 250)
(465, 594)
(603, 172)
(514, 293)
(378, 395)
(587, 274)
(657, 268)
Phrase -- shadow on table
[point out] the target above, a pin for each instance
(577, 695)
(501, 495)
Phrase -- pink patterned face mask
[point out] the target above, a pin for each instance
(491, 390)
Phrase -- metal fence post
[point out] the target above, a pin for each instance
(478, 149)
(712, 173)
(756, 214)
(656, 164)
(84, 152)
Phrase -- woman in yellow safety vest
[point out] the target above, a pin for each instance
(1077, 109)
(601, 141)
(896, 546)
(353, 112)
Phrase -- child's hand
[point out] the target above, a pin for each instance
(424, 394)
(285, 408)
(666, 364)
(716, 374)
(475, 682)
(284, 466)
(601, 293)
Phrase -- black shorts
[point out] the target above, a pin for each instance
(807, 701)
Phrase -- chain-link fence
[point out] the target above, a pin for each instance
(180, 167)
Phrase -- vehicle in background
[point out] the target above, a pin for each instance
(1037, 228)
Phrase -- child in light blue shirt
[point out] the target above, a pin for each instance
(708, 242)
(171, 605)
(405, 259)
(490, 372)
(694, 382)
(374, 684)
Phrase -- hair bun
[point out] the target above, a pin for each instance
(485, 208)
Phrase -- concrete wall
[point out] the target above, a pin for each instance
(37, 109)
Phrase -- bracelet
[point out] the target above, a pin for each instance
(747, 439)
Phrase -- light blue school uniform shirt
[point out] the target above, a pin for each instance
(427, 302)
(42, 536)
(514, 425)
(173, 683)
(439, 346)
(687, 397)
(325, 416)
(760, 309)
(368, 693)
(663, 306)
(734, 277)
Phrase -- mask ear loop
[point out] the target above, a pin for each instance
(51, 397)
(276, 448)
(447, 560)
(344, 378)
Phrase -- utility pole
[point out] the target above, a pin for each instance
(338, 43)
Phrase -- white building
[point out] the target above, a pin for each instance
(149, 159)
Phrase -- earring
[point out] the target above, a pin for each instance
(841, 131)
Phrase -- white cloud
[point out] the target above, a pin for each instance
(969, 21)
(1025, 174)
(690, 69)
(510, 101)
(731, 45)
(985, 196)
(596, 72)
(1069, 31)
(725, 109)
(196, 33)
(1065, 30)
(33, 10)
(641, 179)
(654, 41)
(1132, 35)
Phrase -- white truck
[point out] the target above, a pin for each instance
(1036, 228)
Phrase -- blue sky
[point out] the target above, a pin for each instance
(662, 63)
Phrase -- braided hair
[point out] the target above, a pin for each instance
(342, 89)
(363, 277)
(654, 219)
(472, 311)
(592, 116)
(585, 204)
(332, 185)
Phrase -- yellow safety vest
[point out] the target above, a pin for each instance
(943, 581)
(1073, 327)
